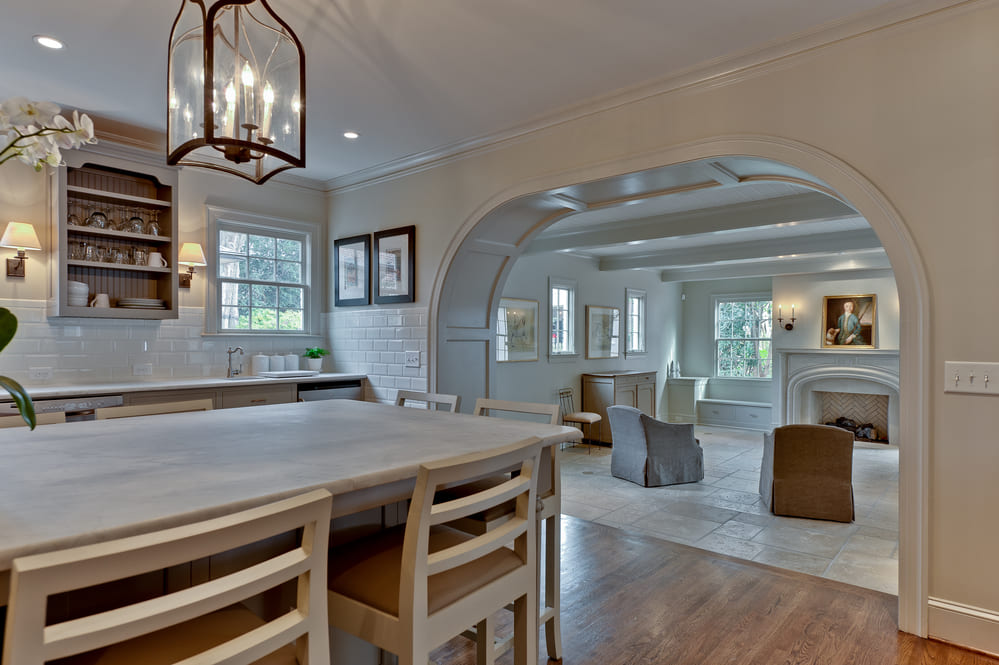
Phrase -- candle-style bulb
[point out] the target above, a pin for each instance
(247, 75)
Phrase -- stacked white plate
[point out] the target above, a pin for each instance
(77, 293)
(141, 303)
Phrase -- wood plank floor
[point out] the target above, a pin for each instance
(635, 600)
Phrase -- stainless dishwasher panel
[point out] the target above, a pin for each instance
(313, 392)
(75, 408)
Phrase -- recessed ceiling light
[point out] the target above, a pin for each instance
(351, 135)
(47, 42)
(635, 242)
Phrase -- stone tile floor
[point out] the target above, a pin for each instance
(723, 513)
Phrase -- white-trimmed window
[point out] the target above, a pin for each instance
(263, 275)
(743, 327)
(562, 314)
(635, 300)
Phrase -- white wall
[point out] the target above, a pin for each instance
(908, 108)
(539, 381)
(807, 292)
(697, 356)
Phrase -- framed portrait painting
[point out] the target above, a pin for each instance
(395, 265)
(351, 268)
(517, 330)
(849, 321)
(603, 332)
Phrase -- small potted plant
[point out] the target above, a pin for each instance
(315, 357)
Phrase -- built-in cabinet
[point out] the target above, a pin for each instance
(229, 397)
(630, 388)
(135, 208)
(682, 395)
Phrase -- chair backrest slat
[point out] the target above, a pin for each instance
(478, 502)
(34, 578)
(431, 401)
(484, 404)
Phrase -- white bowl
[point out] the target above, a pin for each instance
(77, 287)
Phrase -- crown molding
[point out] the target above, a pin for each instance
(713, 73)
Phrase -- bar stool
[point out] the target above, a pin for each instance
(205, 622)
(577, 419)
(410, 588)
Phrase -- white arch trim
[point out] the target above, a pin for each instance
(914, 305)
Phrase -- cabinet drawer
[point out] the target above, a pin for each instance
(716, 412)
(257, 395)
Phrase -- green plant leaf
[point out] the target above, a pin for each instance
(21, 398)
(8, 326)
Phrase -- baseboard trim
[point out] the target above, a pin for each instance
(970, 627)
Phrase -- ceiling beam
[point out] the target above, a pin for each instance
(873, 260)
(800, 208)
(820, 243)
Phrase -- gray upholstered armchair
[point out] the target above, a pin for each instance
(807, 471)
(652, 453)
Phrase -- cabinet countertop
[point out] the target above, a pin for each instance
(72, 390)
(623, 372)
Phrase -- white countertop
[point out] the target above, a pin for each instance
(76, 483)
(75, 390)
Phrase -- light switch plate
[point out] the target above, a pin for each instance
(412, 358)
(142, 369)
(979, 378)
(39, 373)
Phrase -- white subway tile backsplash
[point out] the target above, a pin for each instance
(101, 350)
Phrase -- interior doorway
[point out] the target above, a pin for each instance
(470, 282)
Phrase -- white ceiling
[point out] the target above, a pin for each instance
(420, 79)
(411, 77)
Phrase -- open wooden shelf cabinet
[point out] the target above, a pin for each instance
(121, 189)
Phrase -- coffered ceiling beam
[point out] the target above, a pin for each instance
(871, 260)
(800, 208)
(820, 243)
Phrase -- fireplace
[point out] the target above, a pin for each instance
(867, 380)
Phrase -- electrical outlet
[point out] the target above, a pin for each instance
(40, 373)
(142, 369)
(980, 378)
(412, 358)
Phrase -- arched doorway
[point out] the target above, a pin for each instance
(477, 262)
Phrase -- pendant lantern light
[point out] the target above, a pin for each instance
(236, 90)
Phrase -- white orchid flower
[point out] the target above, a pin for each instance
(65, 135)
(84, 127)
(21, 111)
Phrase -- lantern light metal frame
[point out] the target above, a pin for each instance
(248, 148)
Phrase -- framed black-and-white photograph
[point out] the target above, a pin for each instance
(351, 267)
(517, 330)
(603, 332)
(395, 263)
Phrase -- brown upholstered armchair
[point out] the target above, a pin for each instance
(807, 471)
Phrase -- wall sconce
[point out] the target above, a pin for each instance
(780, 317)
(19, 236)
(190, 255)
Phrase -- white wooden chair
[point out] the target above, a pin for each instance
(410, 588)
(205, 622)
(429, 401)
(153, 409)
(40, 419)
(548, 515)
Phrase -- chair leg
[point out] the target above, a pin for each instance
(485, 637)
(525, 628)
(550, 618)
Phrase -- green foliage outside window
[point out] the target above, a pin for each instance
(742, 338)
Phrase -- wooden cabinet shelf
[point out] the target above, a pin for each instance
(120, 189)
(101, 196)
(111, 233)
(116, 266)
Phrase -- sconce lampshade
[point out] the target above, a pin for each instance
(20, 236)
(236, 77)
(191, 254)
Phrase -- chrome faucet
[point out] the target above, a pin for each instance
(234, 372)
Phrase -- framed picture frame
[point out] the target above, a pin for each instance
(517, 330)
(395, 265)
(352, 271)
(603, 332)
(849, 321)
